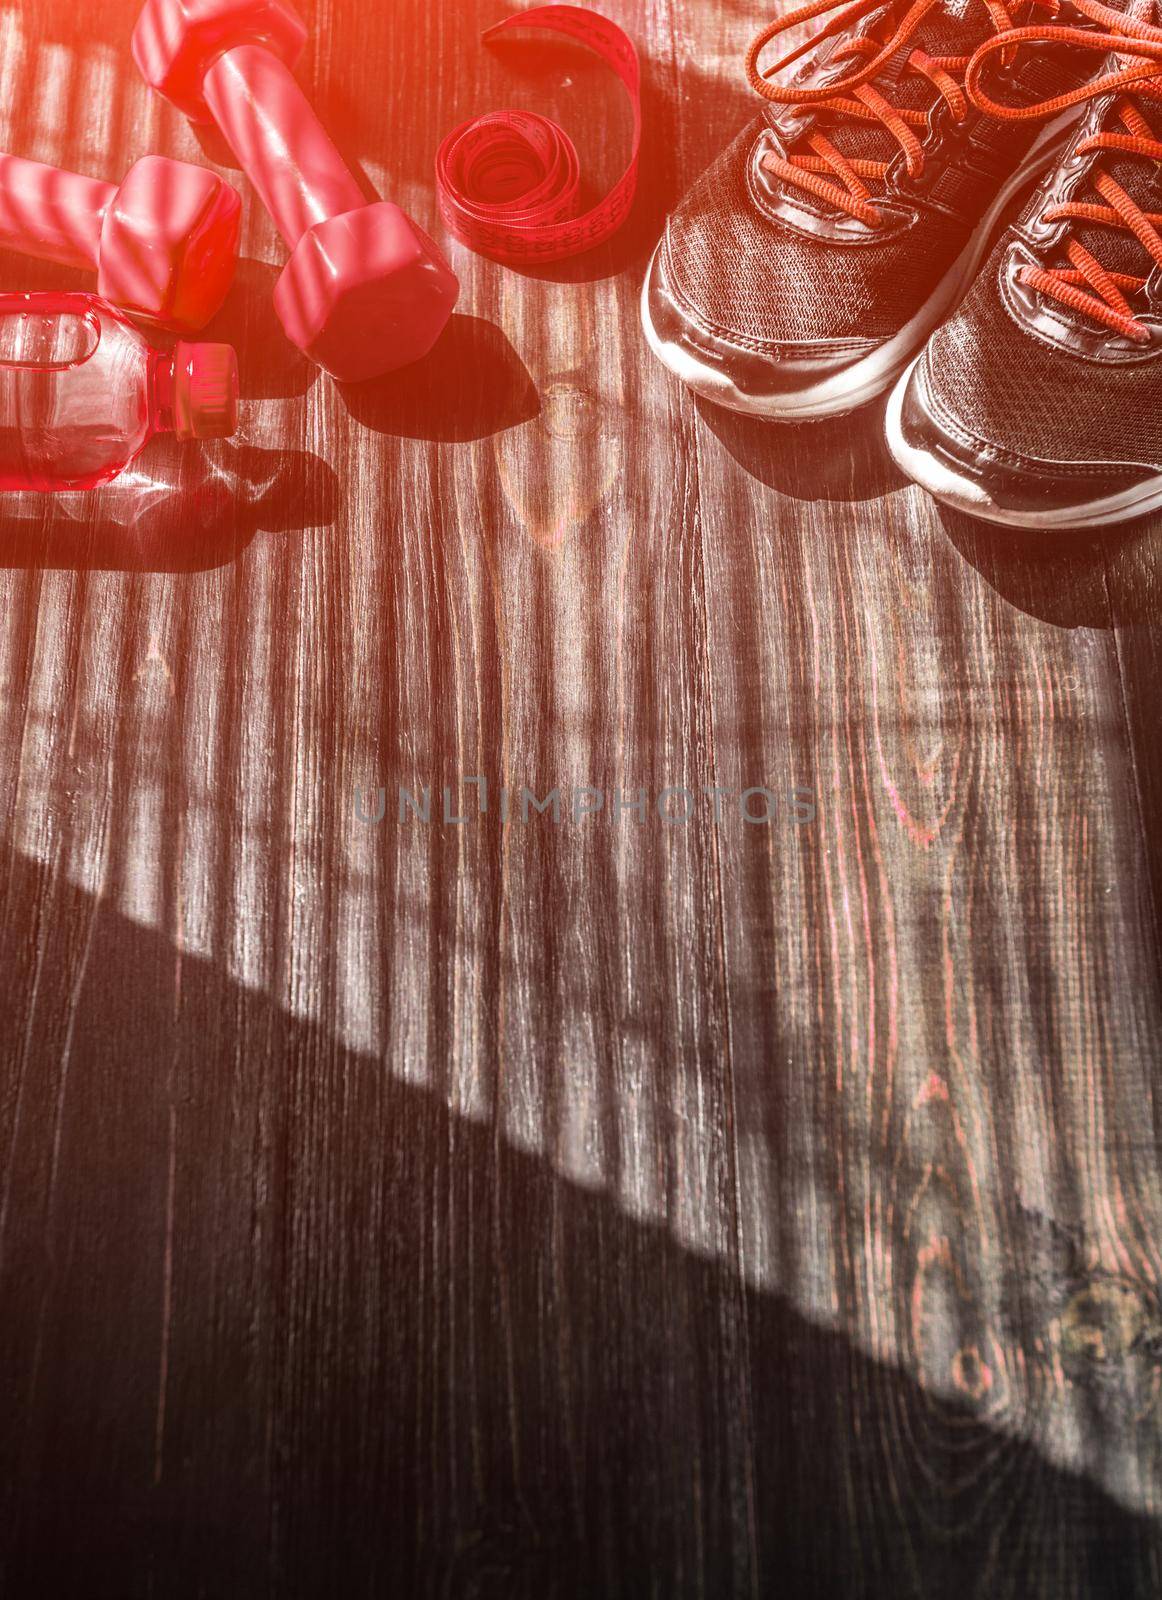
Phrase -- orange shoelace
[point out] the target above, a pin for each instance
(827, 172)
(1085, 285)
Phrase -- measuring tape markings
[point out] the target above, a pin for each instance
(508, 181)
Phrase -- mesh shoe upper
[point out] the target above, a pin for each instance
(743, 273)
(754, 258)
(1055, 355)
(998, 383)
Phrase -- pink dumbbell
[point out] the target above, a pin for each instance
(164, 243)
(365, 290)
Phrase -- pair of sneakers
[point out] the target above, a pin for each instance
(841, 246)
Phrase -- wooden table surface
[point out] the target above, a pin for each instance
(603, 1206)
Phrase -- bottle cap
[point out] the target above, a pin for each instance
(205, 391)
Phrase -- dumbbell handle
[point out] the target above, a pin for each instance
(279, 141)
(50, 213)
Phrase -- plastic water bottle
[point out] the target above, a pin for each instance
(82, 391)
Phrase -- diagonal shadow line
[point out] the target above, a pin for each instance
(283, 1324)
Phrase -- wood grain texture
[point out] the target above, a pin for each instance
(595, 1208)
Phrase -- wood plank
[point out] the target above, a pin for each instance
(591, 1206)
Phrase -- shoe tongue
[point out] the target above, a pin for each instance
(1140, 10)
(1116, 247)
(952, 29)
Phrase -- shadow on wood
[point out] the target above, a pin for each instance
(1080, 578)
(279, 1323)
(184, 508)
(834, 459)
(472, 384)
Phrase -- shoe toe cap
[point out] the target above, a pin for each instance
(731, 365)
(937, 444)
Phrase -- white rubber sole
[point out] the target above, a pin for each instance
(869, 377)
(953, 489)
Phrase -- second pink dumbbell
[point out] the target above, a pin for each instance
(366, 290)
(164, 243)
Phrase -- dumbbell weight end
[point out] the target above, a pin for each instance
(164, 243)
(366, 290)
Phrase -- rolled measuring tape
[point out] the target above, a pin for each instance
(509, 182)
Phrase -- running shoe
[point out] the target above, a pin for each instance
(809, 264)
(1039, 403)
